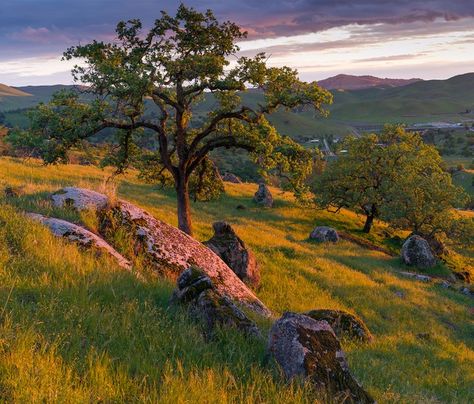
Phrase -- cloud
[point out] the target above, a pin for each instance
(31, 29)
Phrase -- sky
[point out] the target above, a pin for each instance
(429, 39)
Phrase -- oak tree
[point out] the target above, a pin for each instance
(148, 84)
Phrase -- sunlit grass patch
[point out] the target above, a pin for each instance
(76, 328)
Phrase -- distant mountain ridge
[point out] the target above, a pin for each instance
(349, 82)
(7, 91)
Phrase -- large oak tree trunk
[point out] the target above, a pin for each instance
(184, 206)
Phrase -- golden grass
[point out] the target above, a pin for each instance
(77, 329)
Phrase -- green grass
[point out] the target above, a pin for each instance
(74, 328)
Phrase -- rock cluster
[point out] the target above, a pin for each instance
(206, 304)
(263, 196)
(308, 348)
(416, 251)
(167, 250)
(233, 251)
(323, 234)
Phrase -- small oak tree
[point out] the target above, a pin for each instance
(150, 82)
(394, 176)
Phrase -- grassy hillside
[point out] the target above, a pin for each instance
(75, 328)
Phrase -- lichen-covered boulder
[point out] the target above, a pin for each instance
(205, 304)
(307, 348)
(80, 236)
(229, 177)
(233, 251)
(416, 251)
(263, 196)
(324, 233)
(80, 199)
(166, 249)
(344, 324)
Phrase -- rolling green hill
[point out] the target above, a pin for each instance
(423, 101)
(76, 328)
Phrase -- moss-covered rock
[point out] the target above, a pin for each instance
(205, 304)
(307, 348)
(343, 323)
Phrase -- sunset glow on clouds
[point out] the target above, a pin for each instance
(427, 39)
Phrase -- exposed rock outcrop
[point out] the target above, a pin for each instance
(324, 233)
(168, 250)
(263, 196)
(205, 304)
(80, 236)
(416, 251)
(233, 251)
(229, 177)
(80, 199)
(344, 324)
(308, 348)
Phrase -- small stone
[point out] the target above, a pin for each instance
(263, 196)
(324, 233)
(418, 277)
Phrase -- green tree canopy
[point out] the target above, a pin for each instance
(394, 176)
(151, 81)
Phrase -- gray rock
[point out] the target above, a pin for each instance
(307, 348)
(79, 198)
(229, 177)
(80, 236)
(342, 323)
(233, 251)
(166, 249)
(195, 288)
(324, 233)
(417, 252)
(263, 196)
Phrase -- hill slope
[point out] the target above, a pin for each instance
(421, 101)
(349, 82)
(78, 329)
(6, 91)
